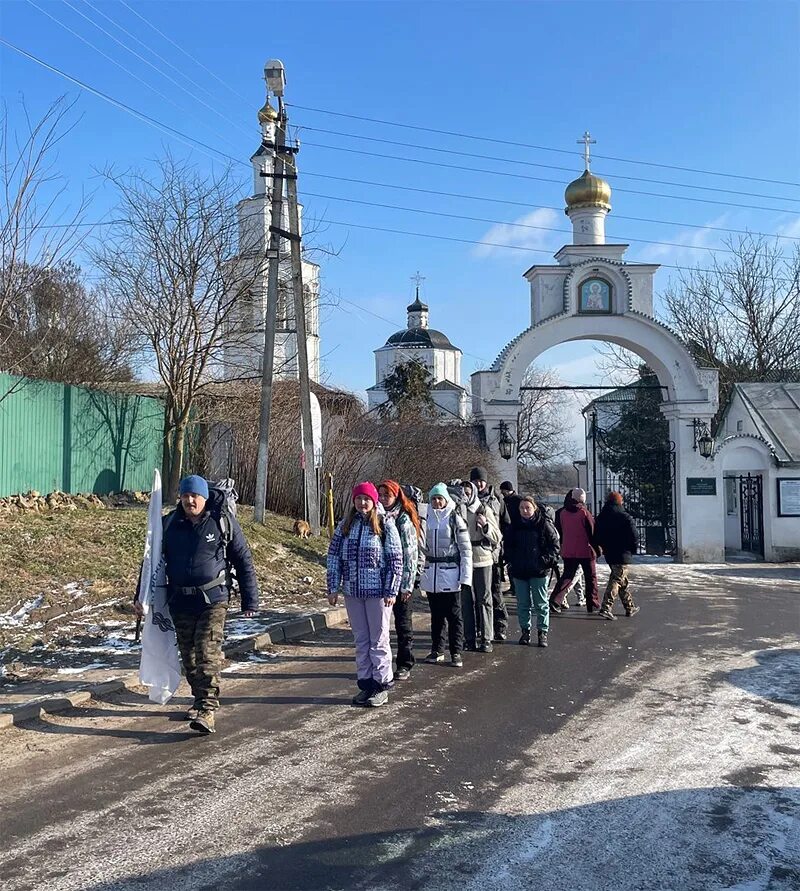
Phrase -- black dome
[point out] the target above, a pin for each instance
(421, 337)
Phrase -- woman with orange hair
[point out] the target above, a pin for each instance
(400, 508)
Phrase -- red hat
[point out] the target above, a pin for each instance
(367, 489)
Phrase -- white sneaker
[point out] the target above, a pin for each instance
(378, 698)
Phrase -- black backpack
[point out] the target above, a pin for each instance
(221, 504)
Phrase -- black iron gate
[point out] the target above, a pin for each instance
(751, 513)
(647, 486)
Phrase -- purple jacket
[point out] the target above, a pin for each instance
(364, 564)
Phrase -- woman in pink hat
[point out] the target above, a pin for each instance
(365, 560)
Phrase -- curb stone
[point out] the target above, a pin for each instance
(60, 702)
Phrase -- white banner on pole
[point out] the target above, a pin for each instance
(160, 667)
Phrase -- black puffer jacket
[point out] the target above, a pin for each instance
(195, 556)
(531, 547)
(615, 533)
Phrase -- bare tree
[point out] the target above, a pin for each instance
(59, 330)
(37, 229)
(169, 265)
(741, 315)
(542, 424)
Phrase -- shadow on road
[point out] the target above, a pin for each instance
(690, 839)
(775, 677)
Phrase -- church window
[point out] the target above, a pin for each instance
(594, 296)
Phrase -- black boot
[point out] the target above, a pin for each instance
(542, 638)
(525, 637)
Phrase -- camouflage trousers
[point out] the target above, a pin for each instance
(200, 645)
(618, 583)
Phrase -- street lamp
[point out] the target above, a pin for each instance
(505, 443)
(275, 76)
(702, 438)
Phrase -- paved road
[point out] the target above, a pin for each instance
(654, 753)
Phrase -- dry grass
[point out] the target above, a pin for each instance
(89, 560)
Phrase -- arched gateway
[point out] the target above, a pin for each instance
(592, 293)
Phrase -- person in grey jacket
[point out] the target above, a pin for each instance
(476, 598)
(445, 563)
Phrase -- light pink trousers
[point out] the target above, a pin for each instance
(370, 619)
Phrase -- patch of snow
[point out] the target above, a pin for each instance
(19, 614)
(83, 668)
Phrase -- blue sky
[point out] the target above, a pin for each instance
(704, 85)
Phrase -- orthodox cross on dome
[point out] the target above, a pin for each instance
(587, 140)
(418, 280)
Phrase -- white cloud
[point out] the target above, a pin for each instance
(536, 237)
(686, 247)
(790, 228)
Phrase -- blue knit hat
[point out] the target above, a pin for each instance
(439, 489)
(194, 485)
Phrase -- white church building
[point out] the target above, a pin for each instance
(421, 343)
(243, 353)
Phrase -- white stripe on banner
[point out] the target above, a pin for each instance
(160, 668)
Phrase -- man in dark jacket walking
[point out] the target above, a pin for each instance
(615, 533)
(480, 479)
(199, 552)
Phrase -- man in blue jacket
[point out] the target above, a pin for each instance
(198, 560)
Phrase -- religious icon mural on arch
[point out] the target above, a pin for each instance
(595, 296)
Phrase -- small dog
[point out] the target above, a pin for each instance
(301, 529)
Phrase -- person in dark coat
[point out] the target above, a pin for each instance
(531, 548)
(578, 582)
(615, 534)
(511, 514)
(576, 527)
(480, 479)
(198, 560)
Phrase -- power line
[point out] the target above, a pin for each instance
(455, 216)
(194, 142)
(571, 170)
(191, 141)
(513, 247)
(543, 148)
(542, 179)
(155, 68)
(150, 49)
(529, 206)
(182, 50)
(105, 55)
(397, 326)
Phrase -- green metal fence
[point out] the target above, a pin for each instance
(75, 439)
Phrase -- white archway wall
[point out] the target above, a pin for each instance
(647, 338)
(692, 394)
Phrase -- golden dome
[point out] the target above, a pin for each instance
(267, 114)
(588, 190)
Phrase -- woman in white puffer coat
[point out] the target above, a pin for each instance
(445, 565)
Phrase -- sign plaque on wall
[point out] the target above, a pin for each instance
(701, 485)
(789, 497)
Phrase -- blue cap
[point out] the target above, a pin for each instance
(194, 485)
(441, 490)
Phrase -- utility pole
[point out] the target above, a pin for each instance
(275, 84)
(309, 468)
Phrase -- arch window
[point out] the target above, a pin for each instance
(594, 296)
